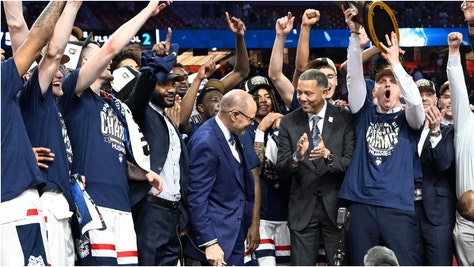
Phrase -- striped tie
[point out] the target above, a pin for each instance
(315, 130)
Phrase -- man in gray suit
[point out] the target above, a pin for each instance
(315, 149)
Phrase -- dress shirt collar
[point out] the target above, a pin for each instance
(223, 128)
(157, 109)
(321, 113)
(392, 110)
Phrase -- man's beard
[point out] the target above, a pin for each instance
(106, 86)
(159, 100)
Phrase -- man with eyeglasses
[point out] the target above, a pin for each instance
(221, 185)
(182, 87)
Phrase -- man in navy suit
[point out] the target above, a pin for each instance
(221, 185)
(435, 203)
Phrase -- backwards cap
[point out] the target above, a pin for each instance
(322, 61)
(255, 83)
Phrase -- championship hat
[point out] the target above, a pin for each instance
(426, 85)
(214, 84)
(257, 82)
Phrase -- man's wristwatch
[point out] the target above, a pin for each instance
(330, 158)
(435, 134)
(295, 159)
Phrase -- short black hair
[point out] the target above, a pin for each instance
(129, 51)
(316, 75)
(202, 93)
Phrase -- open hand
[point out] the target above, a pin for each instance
(43, 154)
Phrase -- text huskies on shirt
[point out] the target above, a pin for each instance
(112, 128)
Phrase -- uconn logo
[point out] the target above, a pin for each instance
(382, 138)
(112, 128)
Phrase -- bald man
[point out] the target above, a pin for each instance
(221, 185)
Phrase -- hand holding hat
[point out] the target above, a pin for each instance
(160, 66)
(163, 48)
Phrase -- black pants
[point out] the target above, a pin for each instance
(157, 234)
(305, 243)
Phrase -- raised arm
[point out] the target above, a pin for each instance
(206, 69)
(282, 84)
(457, 85)
(38, 37)
(16, 23)
(367, 54)
(357, 92)
(415, 113)
(310, 17)
(241, 69)
(94, 66)
(154, 69)
(51, 59)
(468, 9)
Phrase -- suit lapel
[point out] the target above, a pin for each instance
(224, 144)
(302, 125)
(425, 153)
(328, 122)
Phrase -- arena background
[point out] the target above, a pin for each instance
(200, 28)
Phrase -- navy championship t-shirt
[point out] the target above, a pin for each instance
(97, 139)
(45, 129)
(382, 170)
(19, 167)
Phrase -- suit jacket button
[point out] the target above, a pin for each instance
(238, 219)
(241, 200)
